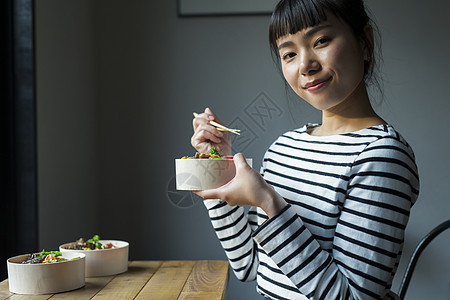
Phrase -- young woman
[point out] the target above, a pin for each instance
(327, 212)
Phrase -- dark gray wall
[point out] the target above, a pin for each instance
(118, 82)
(67, 120)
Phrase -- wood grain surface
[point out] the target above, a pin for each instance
(204, 279)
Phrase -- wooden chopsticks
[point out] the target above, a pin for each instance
(220, 127)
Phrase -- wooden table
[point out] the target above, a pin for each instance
(205, 279)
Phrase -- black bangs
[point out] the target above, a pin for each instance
(290, 17)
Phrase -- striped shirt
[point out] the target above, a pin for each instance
(341, 235)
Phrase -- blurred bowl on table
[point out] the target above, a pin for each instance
(103, 262)
(46, 278)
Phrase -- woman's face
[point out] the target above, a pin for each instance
(323, 64)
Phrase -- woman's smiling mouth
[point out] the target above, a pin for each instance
(315, 85)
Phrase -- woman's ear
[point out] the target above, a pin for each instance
(367, 42)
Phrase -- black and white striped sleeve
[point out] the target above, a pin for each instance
(233, 228)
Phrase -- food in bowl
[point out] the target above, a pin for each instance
(108, 257)
(53, 276)
(46, 257)
(204, 171)
(91, 244)
(213, 154)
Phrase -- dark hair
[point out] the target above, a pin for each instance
(291, 16)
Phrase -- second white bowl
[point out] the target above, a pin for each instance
(103, 262)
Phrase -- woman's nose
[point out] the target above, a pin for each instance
(308, 64)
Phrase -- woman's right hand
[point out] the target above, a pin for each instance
(207, 136)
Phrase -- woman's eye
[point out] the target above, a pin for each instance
(321, 41)
(288, 56)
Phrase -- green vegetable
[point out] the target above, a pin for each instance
(44, 253)
(94, 239)
(214, 151)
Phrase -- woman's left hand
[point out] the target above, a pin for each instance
(247, 188)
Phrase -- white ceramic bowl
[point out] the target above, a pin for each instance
(203, 174)
(46, 278)
(103, 262)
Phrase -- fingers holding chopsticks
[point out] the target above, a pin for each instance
(207, 135)
(204, 119)
(219, 126)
